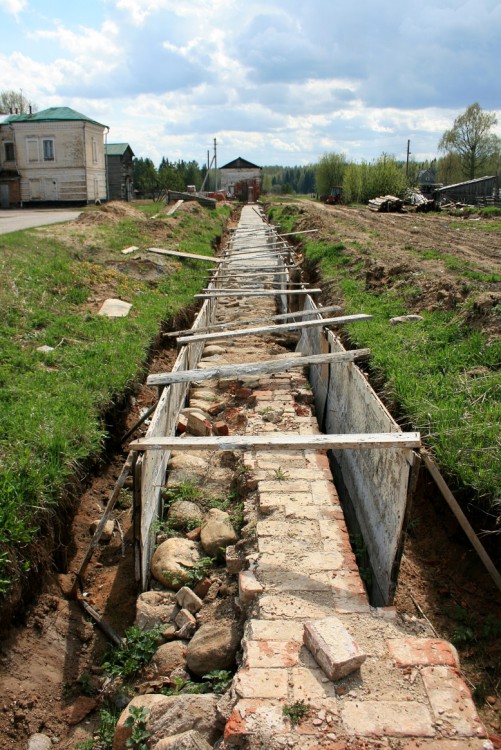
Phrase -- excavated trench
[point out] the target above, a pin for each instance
(50, 669)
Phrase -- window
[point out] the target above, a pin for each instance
(10, 152)
(94, 151)
(48, 149)
(32, 149)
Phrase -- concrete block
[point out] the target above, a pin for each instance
(187, 599)
(333, 648)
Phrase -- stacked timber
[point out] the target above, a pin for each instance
(385, 203)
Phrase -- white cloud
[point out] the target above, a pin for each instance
(13, 6)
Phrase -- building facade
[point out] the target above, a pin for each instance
(56, 155)
(119, 158)
(241, 179)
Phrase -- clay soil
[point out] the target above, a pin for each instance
(53, 643)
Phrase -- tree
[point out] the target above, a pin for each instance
(329, 172)
(15, 102)
(472, 140)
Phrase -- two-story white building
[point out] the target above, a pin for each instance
(57, 154)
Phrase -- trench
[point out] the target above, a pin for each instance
(238, 583)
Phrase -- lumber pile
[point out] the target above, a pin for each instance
(385, 203)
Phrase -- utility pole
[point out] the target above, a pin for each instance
(215, 165)
(408, 154)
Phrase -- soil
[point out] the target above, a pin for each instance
(53, 644)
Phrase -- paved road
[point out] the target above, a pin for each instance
(12, 220)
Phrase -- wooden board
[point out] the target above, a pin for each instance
(278, 442)
(177, 253)
(342, 320)
(258, 293)
(253, 368)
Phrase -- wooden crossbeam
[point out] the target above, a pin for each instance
(161, 251)
(272, 329)
(282, 316)
(281, 442)
(262, 293)
(255, 368)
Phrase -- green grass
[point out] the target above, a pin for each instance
(53, 403)
(441, 375)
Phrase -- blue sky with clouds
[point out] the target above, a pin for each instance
(275, 81)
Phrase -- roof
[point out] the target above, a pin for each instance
(240, 163)
(117, 149)
(53, 114)
(468, 182)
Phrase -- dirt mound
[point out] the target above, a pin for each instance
(110, 213)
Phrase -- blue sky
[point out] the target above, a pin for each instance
(275, 81)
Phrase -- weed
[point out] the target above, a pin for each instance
(108, 718)
(85, 682)
(280, 475)
(183, 491)
(297, 711)
(136, 720)
(137, 650)
(87, 744)
(191, 576)
(219, 680)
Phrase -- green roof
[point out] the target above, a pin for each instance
(52, 114)
(117, 149)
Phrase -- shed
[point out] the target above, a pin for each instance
(241, 179)
(480, 191)
(119, 158)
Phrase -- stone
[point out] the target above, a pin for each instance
(234, 562)
(332, 647)
(248, 586)
(212, 349)
(169, 716)
(184, 512)
(191, 740)
(115, 308)
(107, 531)
(187, 599)
(187, 461)
(185, 618)
(217, 532)
(172, 561)
(155, 608)
(82, 707)
(213, 646)
(45, 349)
(39, 742)
(168, 657)
(198, 426)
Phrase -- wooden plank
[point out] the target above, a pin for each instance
(252, 368)
(177, 253)
(463, 521)
(282, 316)
(273, 329)
(304, 231)
(281, 442)
(230, 291)
(262, 293)
(175, 207)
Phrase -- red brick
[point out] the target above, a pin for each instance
(261, 683)
(447, 744)
(451, 701)
(333, 648)
(220, 428)
(269, 654)
(387, 719)
(409, 652)
(248, 586)
(252, 716)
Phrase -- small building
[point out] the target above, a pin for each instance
(119, 158)
(242, 180)
(56, 155)
(480, 191)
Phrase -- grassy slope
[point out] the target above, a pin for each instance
(442, 375)
(52, 403)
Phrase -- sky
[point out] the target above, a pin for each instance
(274, 81)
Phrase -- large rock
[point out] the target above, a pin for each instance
(172, 715)
(155, 608)
(123, 733)
(191, 740)
(172, 561)
(183, 513)
(217, 532)
(168, 657)
(213, 646)
(41, 742)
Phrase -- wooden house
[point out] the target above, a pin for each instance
(241, 179)
(57, 154)
(481, 191)
(119, 157)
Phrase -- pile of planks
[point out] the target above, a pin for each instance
(385, 204)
